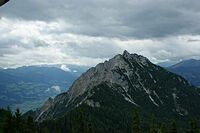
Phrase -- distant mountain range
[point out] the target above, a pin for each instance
(189, 69)
(28, 87)
(109, 92)
(167, 63)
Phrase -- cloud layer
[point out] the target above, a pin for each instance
(90, 31)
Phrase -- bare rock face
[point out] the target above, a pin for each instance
(134, 79)
(105, 72)
(45, 107)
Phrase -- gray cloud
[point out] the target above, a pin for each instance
(114, 18)
(90, 31)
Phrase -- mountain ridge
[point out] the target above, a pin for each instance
(189, 69)
(123, 71)
(115, 87)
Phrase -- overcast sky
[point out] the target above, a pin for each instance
(86, 32)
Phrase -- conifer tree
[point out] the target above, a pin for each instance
(193, 126)
(46, 130)
(152, 125)
(9, 122)
(30, 125)
(90, 128)
(162, 128)
(136, 127)
(81, 125)
(18, 121)
(174, 128)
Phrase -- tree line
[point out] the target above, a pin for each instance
(153, 127)
(15, 123)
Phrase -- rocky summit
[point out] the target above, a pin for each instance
(110, 91)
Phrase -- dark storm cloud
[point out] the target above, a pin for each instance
(114, 18)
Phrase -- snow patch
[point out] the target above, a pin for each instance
(127, 97)
(146, 90)
(157, 97)
(181, 111)
(179, 79)
(91, 103)
(39, 115)
(153, 100)
(129, 100)
(150, 75)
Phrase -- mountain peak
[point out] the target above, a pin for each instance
(135, 57)
(131, 79)
(126, 53)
